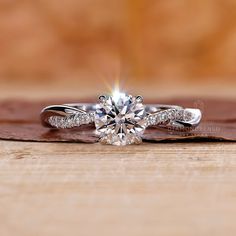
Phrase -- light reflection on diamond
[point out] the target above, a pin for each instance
(120, 119)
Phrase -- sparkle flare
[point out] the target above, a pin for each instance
(120, 119)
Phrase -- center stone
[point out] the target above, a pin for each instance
(120, 119)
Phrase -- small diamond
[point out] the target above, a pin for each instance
(179, 115)
(187, 116)
(152, 120)
(171, 114)
(57, 121)
(163, 117)
(120, 119)
(71, 121)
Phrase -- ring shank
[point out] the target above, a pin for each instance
(77, 110)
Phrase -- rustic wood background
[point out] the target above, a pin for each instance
(57, 189)
(78, 49)
(185, 40)
(151, 189)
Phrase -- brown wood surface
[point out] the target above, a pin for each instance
(20, 120)
(58, 189)
(89, 189)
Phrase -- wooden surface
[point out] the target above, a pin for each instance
(57, 189)
(150, 189)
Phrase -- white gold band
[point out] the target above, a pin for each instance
(165, 116)
(120, 119)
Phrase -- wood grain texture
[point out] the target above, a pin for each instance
(218, 122)
(62, 189)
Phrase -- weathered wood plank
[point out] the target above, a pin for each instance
(90, 189)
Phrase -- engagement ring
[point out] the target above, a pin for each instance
(120, 119)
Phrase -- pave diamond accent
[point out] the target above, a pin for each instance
(168, 116)
(120, 119)
(71, 121)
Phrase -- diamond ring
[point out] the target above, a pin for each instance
(120, 119)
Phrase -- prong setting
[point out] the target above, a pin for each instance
(102, 98)
(139, 99)
(120, 120)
